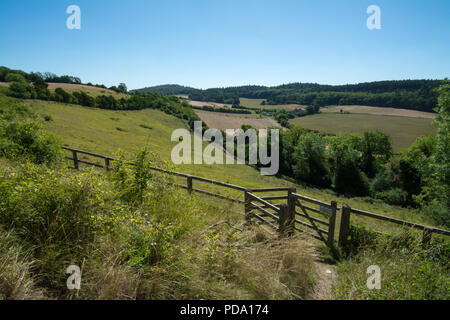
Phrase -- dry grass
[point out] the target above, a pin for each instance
(212, 104)
(16, 282)
(382, 111)
(225, 121)
(92, 91)
(253, 264)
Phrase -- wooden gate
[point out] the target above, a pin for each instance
(299, 213)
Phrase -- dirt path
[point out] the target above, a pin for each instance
(326, 279)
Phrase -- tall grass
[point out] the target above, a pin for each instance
(409, 270)
(135, 235)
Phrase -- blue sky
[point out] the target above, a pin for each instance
(212, 43)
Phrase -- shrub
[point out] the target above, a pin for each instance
(359, 238)
(15, 77)
(21, 134)
(439, 212)
(394, 196)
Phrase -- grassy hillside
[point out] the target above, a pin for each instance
(71, 88)
(105, 131)
(403, 130)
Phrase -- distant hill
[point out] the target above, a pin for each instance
(170, 89)
(406, 94)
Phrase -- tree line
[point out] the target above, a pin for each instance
(405, 94)
(51, 77)
(21, 87)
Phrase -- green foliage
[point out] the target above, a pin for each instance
(53, 213)
(441, 160)
(15, 77)
(359, 238)
(222, 110)
(346, 176)
(62, 96)
(20, 88)
(21, 134)
(310, 160)
(376, 150)
(122, 88)
(409, 271)
(394, 196)
(438, 211)
(407, 94)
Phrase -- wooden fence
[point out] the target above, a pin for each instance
(310, 216)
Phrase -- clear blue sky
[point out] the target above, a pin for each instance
(212, 43)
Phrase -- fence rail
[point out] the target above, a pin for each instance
(283, 217)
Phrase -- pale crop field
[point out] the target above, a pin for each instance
(381, 111)
(224, 121)
(403, 130)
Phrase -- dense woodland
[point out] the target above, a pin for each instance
(406, 94)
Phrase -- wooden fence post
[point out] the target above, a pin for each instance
(345, 224)
(75, 160)
(107, 164)
(332, 223)
(291, 201)
(189, 184)
(426, 236)
(286, 221)
(248, 207)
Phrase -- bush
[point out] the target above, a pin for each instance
(21, 134)
(15, 77)
(395, 196)
(359, 238)
(439, 212)
(21, 90)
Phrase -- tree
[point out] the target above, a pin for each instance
(310, 160)
(376, 150)
(14, 77)
(439, 172)
(123, 88)
(347, 178)
(63, 96)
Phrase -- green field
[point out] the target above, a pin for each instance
(106, 132)
(403, 130)
(256, 104)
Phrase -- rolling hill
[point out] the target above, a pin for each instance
(107, 132)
